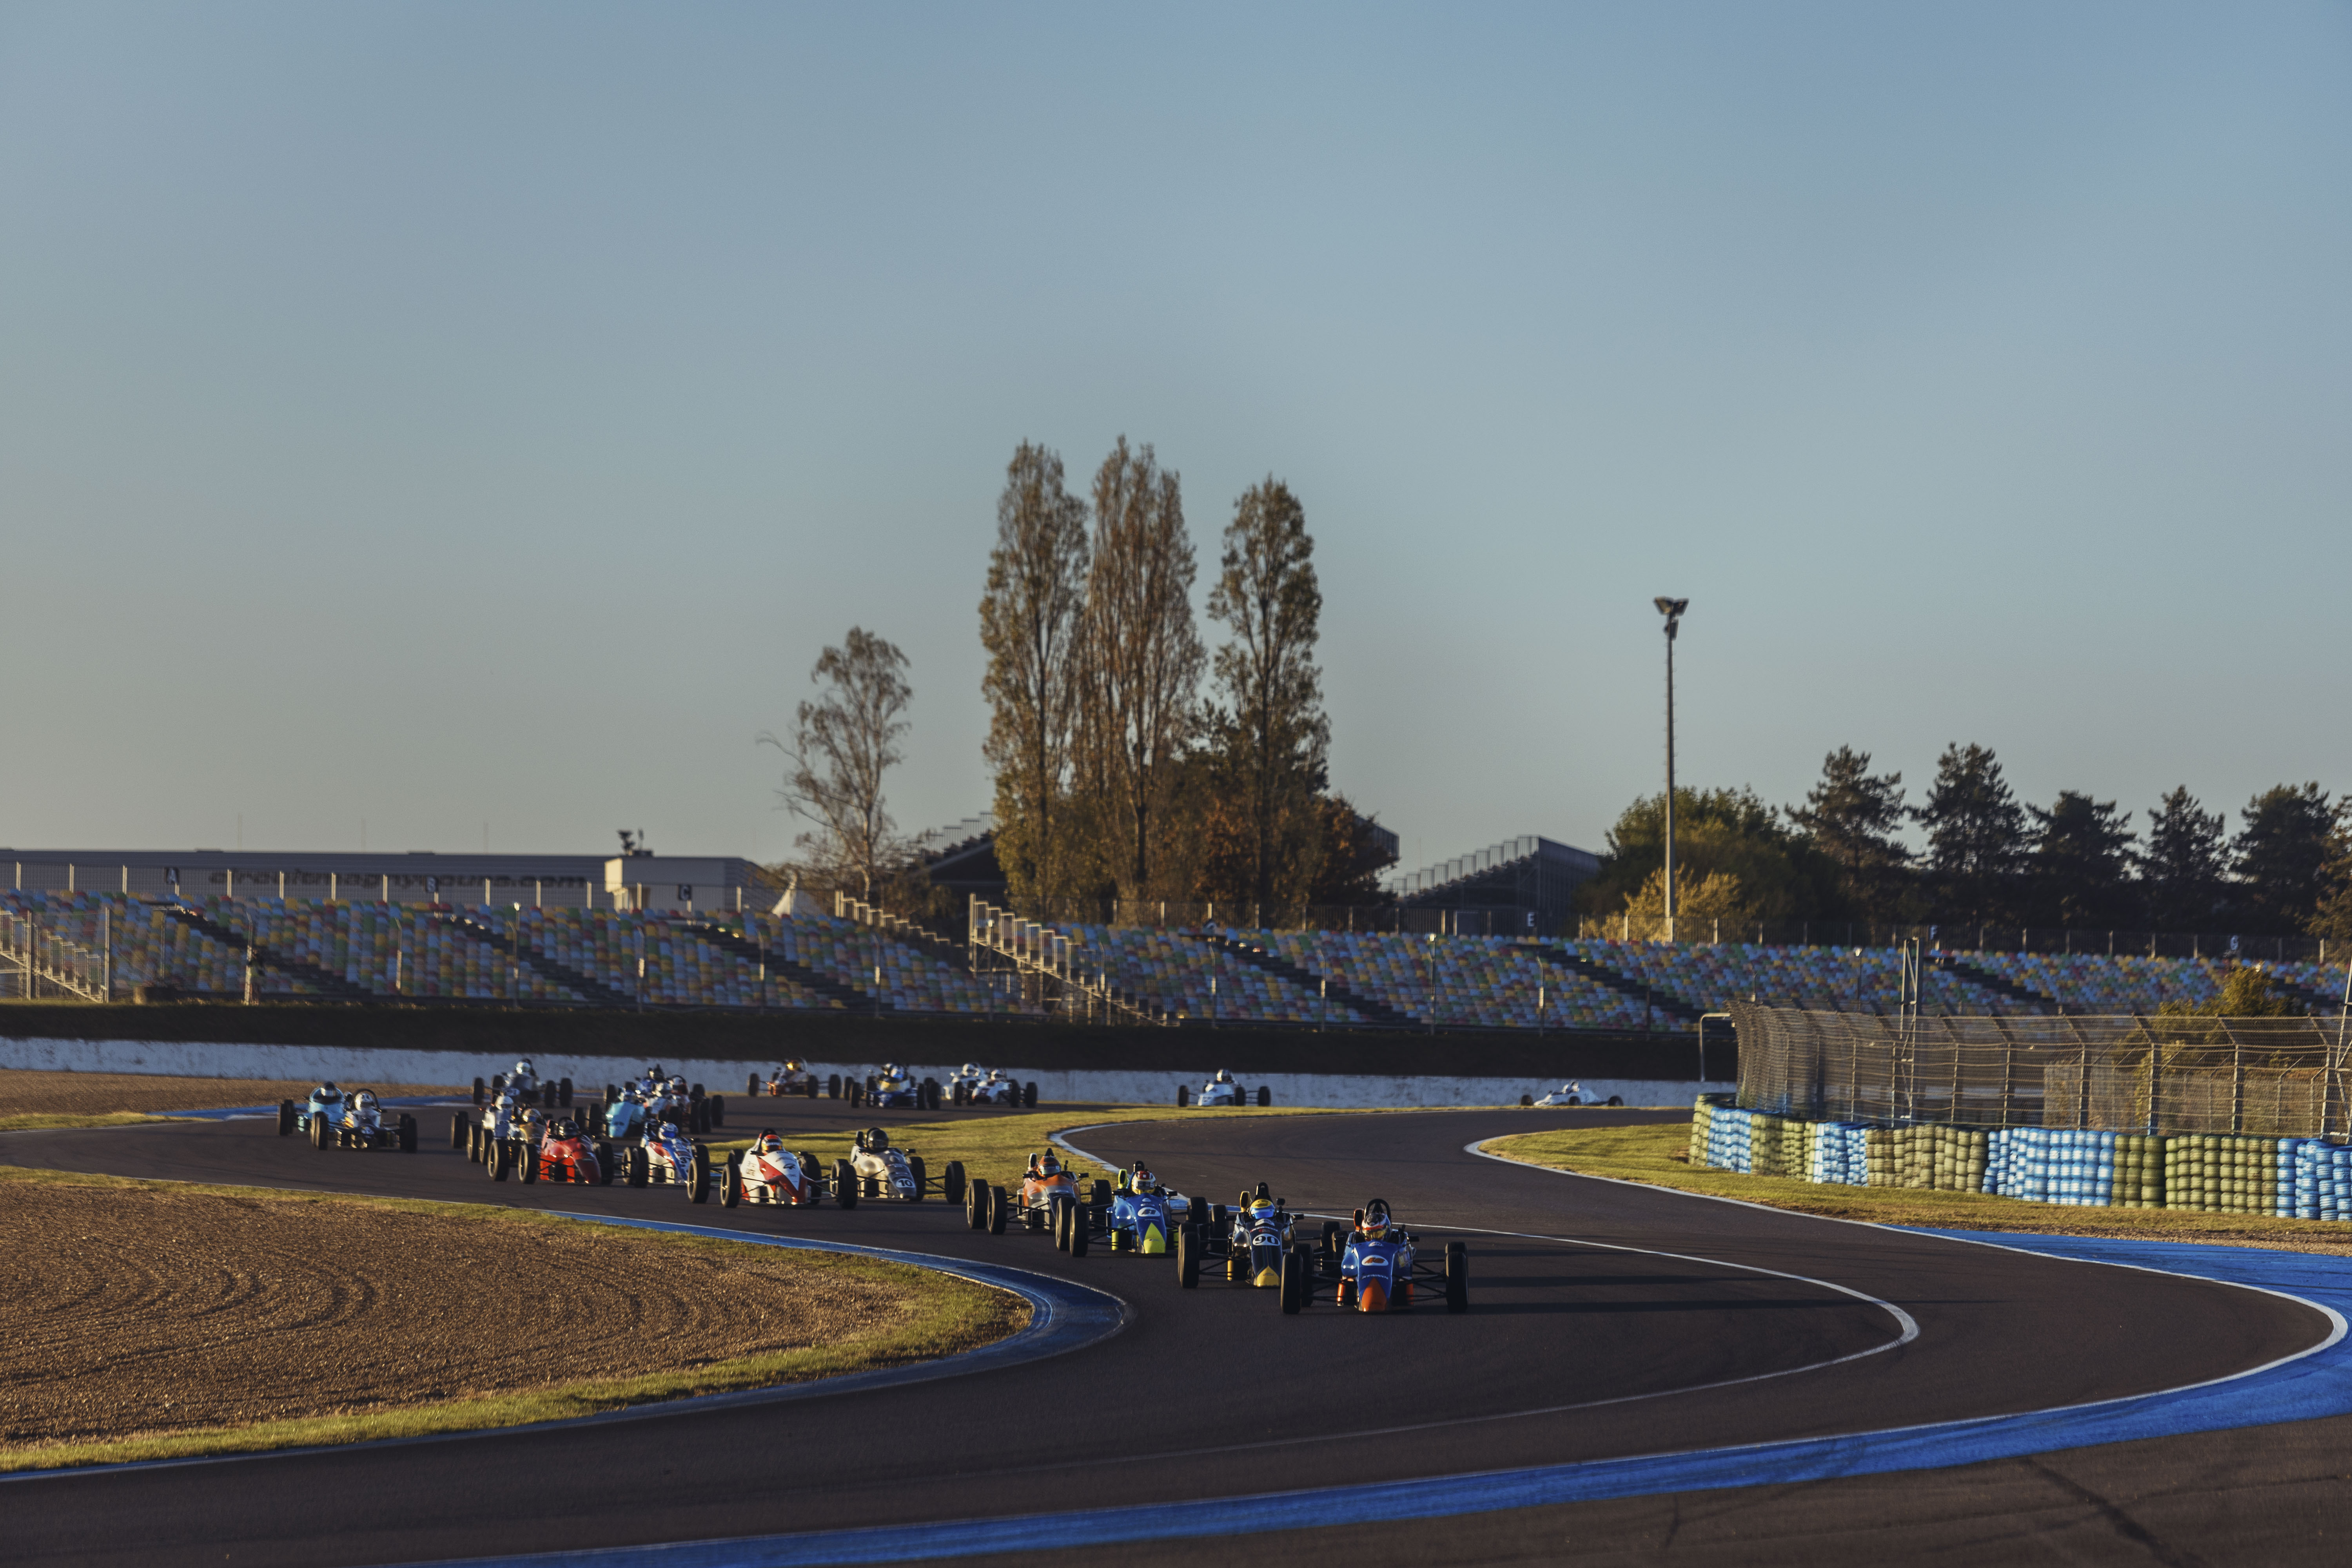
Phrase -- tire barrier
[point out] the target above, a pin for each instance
(2210, 1172)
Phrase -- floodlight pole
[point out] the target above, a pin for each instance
(1673, 610)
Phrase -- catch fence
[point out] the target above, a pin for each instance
(2283, 1077)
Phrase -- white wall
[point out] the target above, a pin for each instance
(1334, 1091)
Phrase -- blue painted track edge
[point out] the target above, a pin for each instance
(1064, 1316)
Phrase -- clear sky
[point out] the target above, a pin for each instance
(441, 415)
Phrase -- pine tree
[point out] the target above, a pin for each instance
(2281, 852)
(1851, 816)
(1976, 836)
(2081, 866)
(2184, 873)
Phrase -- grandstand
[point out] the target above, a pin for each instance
(108, 944)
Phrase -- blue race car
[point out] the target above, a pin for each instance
(326, 1100)
(1375, 1266)
(895, 1088)
(1142, 1215)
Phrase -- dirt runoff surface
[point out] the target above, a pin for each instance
(128, 1312)
(24, 1093)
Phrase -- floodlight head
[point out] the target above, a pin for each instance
(1671, 608)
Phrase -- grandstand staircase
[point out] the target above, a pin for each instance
(1370, 1009)
(588, 988)
(266, 957)
(800, 974)
(1998, 986)
(1665, 1002)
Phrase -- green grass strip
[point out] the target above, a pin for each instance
(1657, 1153)
(34, 1121)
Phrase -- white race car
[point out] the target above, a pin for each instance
(768, 1173)
(1573, 1093)
(1221, 1089)
(877, 1170)
(792, 1078)
(974, 1086)
(667, 1157)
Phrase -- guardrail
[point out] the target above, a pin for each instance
(1050, 970)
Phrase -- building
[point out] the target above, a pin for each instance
(417, 877)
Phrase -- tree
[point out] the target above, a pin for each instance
(1351, 856)
(2280, 853)
(2184, 873)
(1268, 732)
(1029, 624)
(1851, 817)
(2082, 863)
(1726, 831)
(841, 746)
(1976, 836)
(1701, 905)
(1142, 656)
(2246, 992)
(2331, 920)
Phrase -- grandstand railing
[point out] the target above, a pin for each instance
(1049, 968)
(31, 958)
(2269, 1077)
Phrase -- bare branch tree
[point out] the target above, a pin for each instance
(841, 746)
(1029, 619)
(1143, 656)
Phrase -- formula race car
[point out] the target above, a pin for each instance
(563, 1155)
(1572, 1093)
(527, 1084)
(1222, 1089)
(1374, 1266)
(1048, 1199)
(1143, 1216)
(768, 1173)
(667, 1157)
(974, 1086)
(325, 1100)
(792, 1078)
(358, 1123)
(879, 1170)
(1257, 1236)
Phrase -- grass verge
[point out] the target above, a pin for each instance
(993, 1148)
(944, 1315)
(1656, 1153)
(35, 1120)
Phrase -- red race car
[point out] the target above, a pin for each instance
(564, 1155)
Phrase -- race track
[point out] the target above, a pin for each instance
(1607, 1321)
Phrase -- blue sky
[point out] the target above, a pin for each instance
(449, 416)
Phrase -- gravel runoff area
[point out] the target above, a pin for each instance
(130, 1311)
(24, 1093)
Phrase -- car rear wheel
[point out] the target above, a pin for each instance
(952, 1184)
(997, 1207)
(640, 1168)
(975, 1205)
(844, 1185)
(408, 1135)
(494, 1158)
(698, 1176)
(457, 1131)
(1188, 1258)
(1457, 1277)
(526, 1162)
(284, 1118)
(1293, 1280)
(730, 1185)
(1334, 1237)
(914, 1169)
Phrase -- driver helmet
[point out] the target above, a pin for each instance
(523, 1070)
(1047, 1166)
(363, 1101)
(1222, 1077)
(1145, 1182)
(1261, 1208)
(768, 1143)
(970, 1069)
(677, 1086)
(562, 1129)
(328, 1090)
(795, 1065)
(1376, 1221)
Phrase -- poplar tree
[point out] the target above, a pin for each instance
(1270, 736)
(1029, 626)
(1142, 656)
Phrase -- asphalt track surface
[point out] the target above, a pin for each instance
(1606, 1321)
